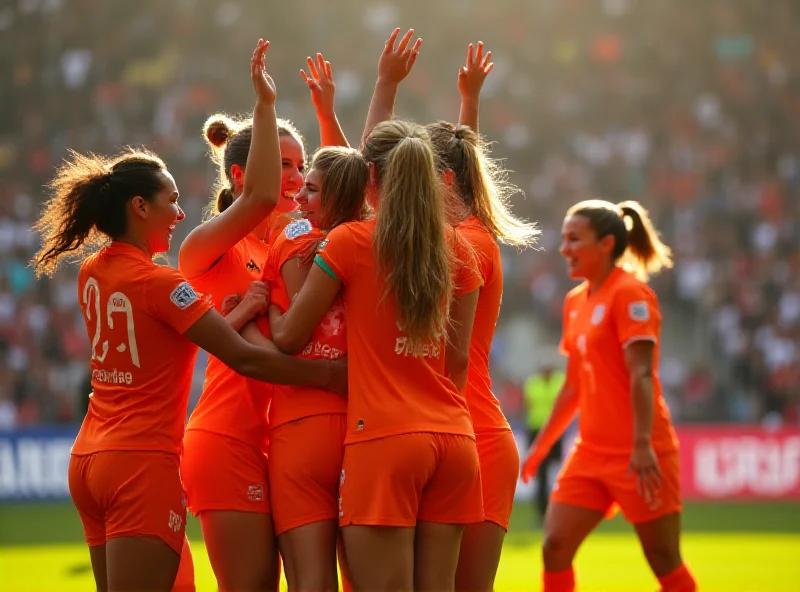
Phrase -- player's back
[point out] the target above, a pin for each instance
(395, 387)
(483, 405)
(135, 313)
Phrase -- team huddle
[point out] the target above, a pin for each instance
(347, 423)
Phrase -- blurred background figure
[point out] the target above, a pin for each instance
(541, 389)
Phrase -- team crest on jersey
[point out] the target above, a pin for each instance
(598, 313)
(638, 311)
(322, 244)
(298, 228)
(183, 296)
(252, 265)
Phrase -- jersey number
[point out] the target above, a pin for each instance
(116, 303)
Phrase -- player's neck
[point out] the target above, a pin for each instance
(597, 280)
(137, 242)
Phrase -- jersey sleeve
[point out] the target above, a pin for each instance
(636, 314)
(484, 247)
(467, 275)
(336, 254)
(172, 300)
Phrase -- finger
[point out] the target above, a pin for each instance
(262, 56)
(312, 68)
(404, 41)
(639, 484)
(328, 70)
(417, 43)
(390, 42)
(486, 59)
(479, 53)
(305, 76)
(412, 60)
(321, 66)
(488, 68)
(470, 52)
(312, 84)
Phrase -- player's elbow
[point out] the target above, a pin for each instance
(286, 342)
(457, 367)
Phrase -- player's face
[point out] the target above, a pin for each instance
(308, 199)
(580, 248)
(163, 214)
(293, 165)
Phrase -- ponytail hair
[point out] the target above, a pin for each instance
(229, 142)
(637, 245)
(410, 240)
(87, 203)
(481, 183)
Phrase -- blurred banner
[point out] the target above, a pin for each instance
(718, 462)
(739, 462)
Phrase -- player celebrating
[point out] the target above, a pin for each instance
(410, 479)
(307, 426)
(479, 186)
(627, 453)
(224, 464)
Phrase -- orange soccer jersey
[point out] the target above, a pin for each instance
(329, 340)
(135, 313)
(227, 406)
(597, 328)
(393, 388)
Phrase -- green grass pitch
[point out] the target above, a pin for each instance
(730, 547)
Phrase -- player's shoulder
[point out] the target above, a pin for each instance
(296, 229)
(626, 285)
(577, 293)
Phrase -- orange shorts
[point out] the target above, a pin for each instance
(499, 461)
(602, 482)
(305, 461)
(222, 473)
(397, 480)
(129, 494)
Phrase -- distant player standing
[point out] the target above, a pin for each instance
(627, 451)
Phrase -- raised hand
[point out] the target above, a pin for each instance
(396, 62)
(266, 92)
(320, 82)
(474, 72)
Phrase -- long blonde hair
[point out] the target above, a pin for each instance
(637, 246)
(481, 182)
(410, 241)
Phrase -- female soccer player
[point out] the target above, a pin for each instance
(479, 186)
(627, 453)
(224, 466)
(307, 425)
(410, 478)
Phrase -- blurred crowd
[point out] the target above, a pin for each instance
(692, 108)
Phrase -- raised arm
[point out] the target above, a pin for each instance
(261, 187)
(470, 83)
(320, 82)
(394, 65)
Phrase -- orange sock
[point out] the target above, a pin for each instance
(680, 580)
(184, 581)
(559, 581)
